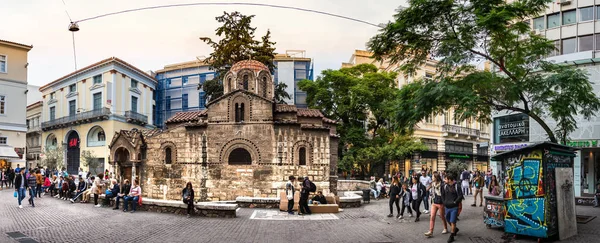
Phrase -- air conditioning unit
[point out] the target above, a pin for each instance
(564, 2)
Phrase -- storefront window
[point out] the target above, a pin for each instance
(512, 128)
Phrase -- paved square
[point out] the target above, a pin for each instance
(278, 215)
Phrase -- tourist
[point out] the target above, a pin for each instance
(465, 178)
(133, 196)
(289, 193)
(451, 196)
(378, 188)
(20, 186)
(112, 192)
(394, 197)
(478, 183)
(304, 193)
(64, 192)
(39, 181)
(373, 187)
(88, 192)
(32, 187)
(405, 196)
(124, 190)
(81, 187)
(96, 189)
(188, 198)
(81, 173)
(46, 185)
(3, 178)
(319, 198)
(18, 169)
(72, 186)
(54, 182)
(494, 188)
(11, 177)
(437, 207)
(425, 180)
(597, 195)
(417, 191)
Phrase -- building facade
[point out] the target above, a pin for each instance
(243, 144)
(82, 110)
(34, 134)
(446, 137)
(290, 68)
(13, 103)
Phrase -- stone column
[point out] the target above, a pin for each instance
(133, 172)
(333, 179)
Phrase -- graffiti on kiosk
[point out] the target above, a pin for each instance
(523, 176)
(494, 215)
(526, 217)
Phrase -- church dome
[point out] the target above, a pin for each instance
(253, 65)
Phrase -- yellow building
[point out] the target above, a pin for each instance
(34, 133)
(446, 137)
(84, 109)
(13, 102)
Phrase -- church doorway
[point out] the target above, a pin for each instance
(240, 156)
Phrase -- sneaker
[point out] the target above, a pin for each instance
(455, 233)
(20, 206)
(115, 208)
(428, 234)
(132, 211)
(425, 211)
(410, 215)
(417, 220)
(401, 217)
(390, 215)
(188, 215)
(290, 213)
(98, 206)
(445, 231)
(451, 239)
(72, 201)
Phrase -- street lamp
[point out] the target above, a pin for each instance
(73, 27)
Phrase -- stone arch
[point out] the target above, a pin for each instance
(168, 152)
(122, 155)
(243, 143)
(251, 80)
(239, 106)
(308, 149)
(239, 156)
(229, 83)
(51, 141)
(265, 85)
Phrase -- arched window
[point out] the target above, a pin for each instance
(96, 137)
(168, 159)
(302, 156)
(237, 112)
(264, 87)
(240, 156)
(242, 114)
(245, 80)
(139, 156)
(101, 136)
(229, 84)
(51, 141)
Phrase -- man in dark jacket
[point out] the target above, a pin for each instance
(72, 186)
(125, 190)
(31, 186)
(20, 187)
(320, 198)
(451, 197)
(80, 189)
(113, 193)
(304, 193)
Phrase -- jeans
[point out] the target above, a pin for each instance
(290, 206)
(405, 206)
(426, 200)
(451, 214)
(134, 201)
(434, 210)
(21, 194)
(117, 201)
(77, 195)
(32, 193)
(190, 205)
(376, 193)
(394, 199)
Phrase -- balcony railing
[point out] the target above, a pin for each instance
(485, 135)
(83, 117)
(34, 129)
(135, 117)
(460, 130)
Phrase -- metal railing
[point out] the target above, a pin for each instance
(87, 115)
(461, 130)
(136, 117)
(34, 129)
(485, 135)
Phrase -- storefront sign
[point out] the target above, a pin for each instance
(509, 147)
(512, 128)
(73, 142)
(459, 156)
(583, 143)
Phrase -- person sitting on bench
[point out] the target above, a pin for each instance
(80, 189)
(319, 198)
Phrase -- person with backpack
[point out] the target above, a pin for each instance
(307, 187)
(437, 205)
(451, 197)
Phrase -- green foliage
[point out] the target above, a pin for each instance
(361, 99)
(90, 160)
(53, 157)
(237, 43)
(280, 94)
(459, 33)
(456, 167)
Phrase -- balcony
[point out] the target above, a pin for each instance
(458, 130)
(33, 129)
(137, 118)
(79, 118)
(485, 135)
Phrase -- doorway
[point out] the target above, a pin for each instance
(73, 153)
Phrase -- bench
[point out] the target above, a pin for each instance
(258, 202)
(351, 199)
(330, 207)
(218, 209)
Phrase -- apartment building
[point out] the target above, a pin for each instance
(83, 110)
(13, 102)
(34, 133)
(290, 68)
(447, 138)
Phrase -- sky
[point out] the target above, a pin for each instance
(151, 39)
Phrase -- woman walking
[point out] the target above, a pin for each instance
(417, 190)
(188, 197)
(394, 197)
(437, 205)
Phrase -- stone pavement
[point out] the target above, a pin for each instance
(54, 220)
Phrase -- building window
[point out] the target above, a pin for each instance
(428, 76)
(134, 84)
(52, 113)
(586, 14)
(97, 101)
(168, 158)
(553, 20)
(446, 118)
(3, 64)
(202, 99)
(430, 143)
(101, 136)
(264, 87)
(72, 88)
(168, 102)
(72, 108)
(239, 112)
(429, 119)
(556, 50)
(538, 23)
(456, 120)
(300, 74)
(482, 150)
(459, 147)
(569, 17)
(569, 46)
(96, 137)
(184, 101)
(240, 156)
(97, 79)
(3, 140)
(134, 104)
(245, 80)
(586, 43)
(229, 84)
(597, 41)
(302, 156)
(52, 95)
(598, 12)
(2, 104)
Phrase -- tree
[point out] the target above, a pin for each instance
(237, 44)
(280, 94)
(53, 157)
(456, 167)
(90, 160)
(459, 33)
(360, 98)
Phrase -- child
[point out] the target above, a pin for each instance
(406, 197)
(64, 189)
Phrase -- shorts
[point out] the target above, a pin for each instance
(451, 214)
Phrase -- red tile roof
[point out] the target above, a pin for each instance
(186, 116)
(285, 108)
(18, 44)
(249, 64)
(309, 112)
(327, 120)
(107, 60)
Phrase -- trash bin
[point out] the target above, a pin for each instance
(366, 195)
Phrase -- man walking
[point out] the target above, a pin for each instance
(425, 179)
(304, 193)
(31, 186)
(289, 193)
(451, 196)
(20, 186)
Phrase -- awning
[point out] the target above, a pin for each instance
(8, 152)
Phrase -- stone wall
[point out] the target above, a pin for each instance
(351, 185)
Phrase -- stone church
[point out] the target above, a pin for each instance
(243, 144)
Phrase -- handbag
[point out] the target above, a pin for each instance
(108, 193)
(15, 194)
(290, 196)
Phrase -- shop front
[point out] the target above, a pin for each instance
(10, 157)
(586, 167)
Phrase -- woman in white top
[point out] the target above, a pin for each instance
(378, 187)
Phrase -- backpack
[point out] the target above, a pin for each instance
(313, 187)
